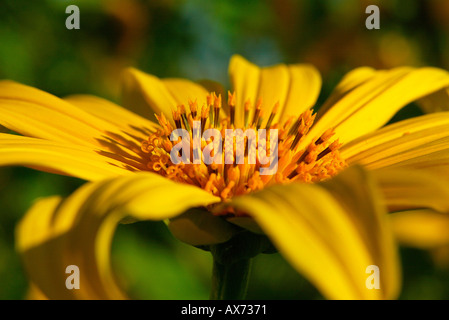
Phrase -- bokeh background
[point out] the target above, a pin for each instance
(195, 39)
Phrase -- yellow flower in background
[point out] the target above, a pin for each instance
(324, 212)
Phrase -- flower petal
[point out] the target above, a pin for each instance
(435, 102)
(349, 82)
(408, 130)
(435, 162)
(331, 232)
(413, 189)
(303, 90)
(373, 103)
(35, 113)
(58, 158)
(295, 87)
(420, 142)
(424, 229)
(146, 94)
(78, 231)
(127, 121)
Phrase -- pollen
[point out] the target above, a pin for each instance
(234, 173)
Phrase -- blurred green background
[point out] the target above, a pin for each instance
(195, 39)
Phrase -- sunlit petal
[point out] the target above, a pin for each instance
(127, 121)
(146, 94)
(373, 103)
(349, 82)
(424, 229)
(397, 137)
(78, 231)
(35, 113)
(294, 87)
(59, 158)
(416, 143)
(330, 232)
(413, 189)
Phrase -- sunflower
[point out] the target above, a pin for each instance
(339, 172)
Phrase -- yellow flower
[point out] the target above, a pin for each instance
(321, 210)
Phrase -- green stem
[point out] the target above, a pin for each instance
(230, 280)
(232, 263)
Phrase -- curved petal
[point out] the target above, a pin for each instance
(424, 229)
(436, 162)
(420, 142)
(371, 144)
(78, 231)
(330, 232)
(38, 114)
(295, 87)
(58, 158)
(349, 82)
(146, 94)
(303, 91)
(373, 103)
(413, 189)
(127, 121)
(435, 102)
(35, 113)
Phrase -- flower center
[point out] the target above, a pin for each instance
(240, 159)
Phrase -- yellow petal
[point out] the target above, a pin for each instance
(244, 78)
(373, 103)
(78, 231)
(424, 229)
(303, 91)
(295, 87)
(136, 126)
(415, 131)
(435, 102)
(349, 82)
(436, 163)
(433, 156)
(413, 189)
(146, 94)
(35, 113)
(58, 158)
(330, 232)
(420, 142)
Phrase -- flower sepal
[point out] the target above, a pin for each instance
(199, 227)
(243, 245)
